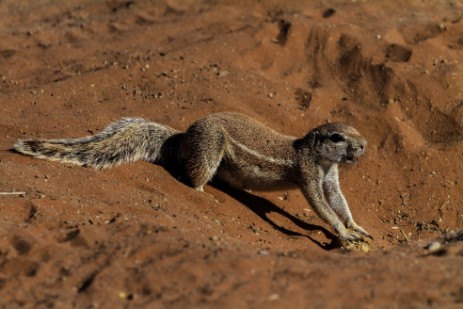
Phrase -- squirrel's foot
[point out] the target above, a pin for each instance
(200, 188)
(358, 229)
(350, 235)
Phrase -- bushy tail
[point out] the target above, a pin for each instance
(124, 141)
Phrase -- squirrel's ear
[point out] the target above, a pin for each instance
(312, 139)
(316, 139)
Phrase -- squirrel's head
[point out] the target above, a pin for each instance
(337, 143)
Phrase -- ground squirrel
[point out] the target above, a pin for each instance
(232, 148)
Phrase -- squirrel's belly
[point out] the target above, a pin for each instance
(253, 178)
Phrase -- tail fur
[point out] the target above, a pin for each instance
(124, 141)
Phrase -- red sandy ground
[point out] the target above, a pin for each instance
(133, 236)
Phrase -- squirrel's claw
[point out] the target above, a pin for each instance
(357, 228)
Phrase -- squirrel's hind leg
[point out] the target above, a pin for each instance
(201, 151)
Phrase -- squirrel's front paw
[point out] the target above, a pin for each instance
(350, 235)
(357, 228)
(354, 240)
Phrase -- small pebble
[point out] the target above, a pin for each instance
(274, 297)
(434, 246)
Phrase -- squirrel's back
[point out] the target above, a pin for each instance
(252, 134)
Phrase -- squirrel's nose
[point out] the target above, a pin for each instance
(363, 145)
(360, 148)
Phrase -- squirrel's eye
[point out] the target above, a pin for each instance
(335, 137)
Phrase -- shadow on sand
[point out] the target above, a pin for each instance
(263, 207)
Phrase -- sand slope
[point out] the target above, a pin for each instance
(134, 236)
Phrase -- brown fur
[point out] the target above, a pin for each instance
(231, 147)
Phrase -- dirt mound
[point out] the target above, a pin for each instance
(135, 236)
